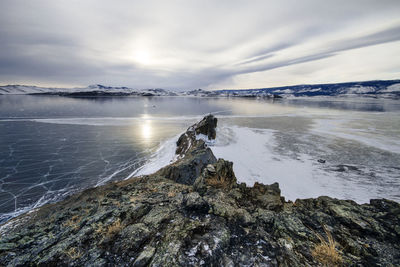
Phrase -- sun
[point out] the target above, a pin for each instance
(142, 56)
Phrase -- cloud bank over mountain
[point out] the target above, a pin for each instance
(192, 44)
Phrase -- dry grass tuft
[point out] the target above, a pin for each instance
(171, 194)
(152, 189)
(99, 230)
(134, 199)
(326, 252)
(114, 228)
(73, 253)
(217, 181)
(73, 222)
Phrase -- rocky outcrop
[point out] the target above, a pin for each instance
(189, 140)
(195, 214)
(193, 153)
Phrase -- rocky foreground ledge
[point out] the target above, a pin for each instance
(193, 213)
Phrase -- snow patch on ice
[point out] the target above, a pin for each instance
(164, 155)
(254, 158)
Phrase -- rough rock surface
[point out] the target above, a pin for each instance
(188, 141)
(179, 216)
(192, 152)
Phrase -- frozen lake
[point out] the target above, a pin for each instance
(53, 146)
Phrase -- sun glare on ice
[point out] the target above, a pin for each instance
(146, 130)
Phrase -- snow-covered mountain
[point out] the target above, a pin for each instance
(384, 89)
(91, 90)
(381, 89)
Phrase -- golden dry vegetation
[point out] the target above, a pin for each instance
(114, 228)
(73, 253)
(326, 252)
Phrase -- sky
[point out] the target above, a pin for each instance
(191, 44)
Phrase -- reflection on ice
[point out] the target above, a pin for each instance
(146, 130)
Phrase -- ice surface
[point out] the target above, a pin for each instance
(251, 151)
(342, 127)
(255, 159)
(44, 157)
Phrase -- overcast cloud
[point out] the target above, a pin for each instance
(197, 44)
